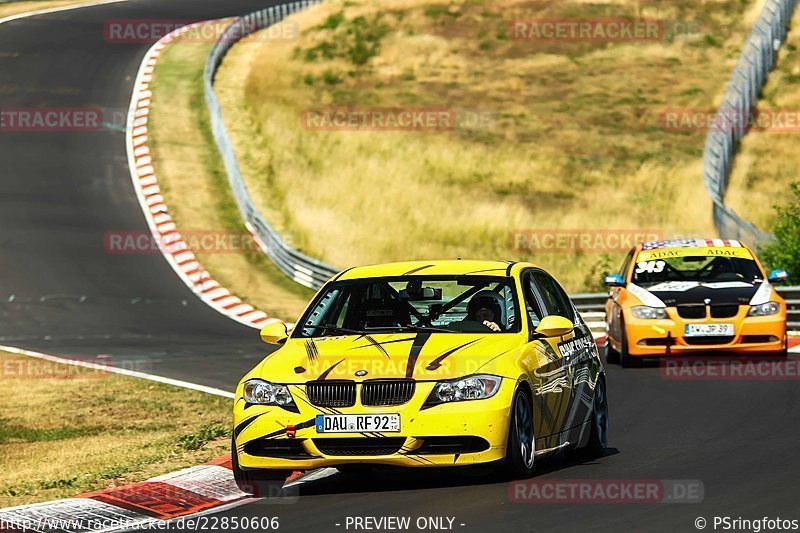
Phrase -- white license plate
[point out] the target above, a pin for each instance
(709, 330)
(388, 423)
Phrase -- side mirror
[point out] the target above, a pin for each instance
(614, 280)
(778, 276)
(554, 326)
(274, 333)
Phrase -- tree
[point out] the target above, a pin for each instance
(785, 251)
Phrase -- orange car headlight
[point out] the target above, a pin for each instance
(767, 309)
(645, 312)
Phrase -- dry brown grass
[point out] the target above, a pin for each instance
(86, 430)
(768, 161)
(15, 8)
(576, 141)
(195, 187)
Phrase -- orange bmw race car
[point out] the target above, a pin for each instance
(684, 296)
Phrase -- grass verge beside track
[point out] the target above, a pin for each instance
(767, 161)
(195, 187)
(576, 141)
(66, 430)
(8, 9)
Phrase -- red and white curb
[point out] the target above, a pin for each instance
(794, 345)
(187, 492)
(145, 181)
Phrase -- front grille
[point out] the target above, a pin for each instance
(387, 392)
(360, 446)
(331, 393)
(703, 341)
(278, 448)
(724, 311)
(451, 445)
(692, 311)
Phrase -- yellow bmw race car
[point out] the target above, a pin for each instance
(697, 295)
(440, 363)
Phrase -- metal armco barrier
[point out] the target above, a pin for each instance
(595, 303)
(730, 123)
(301, 268)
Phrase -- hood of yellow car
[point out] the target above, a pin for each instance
(421, 356)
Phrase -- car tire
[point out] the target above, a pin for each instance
(521, 444)
(612, 356)
(263, 484)
(626, 360)
(598, 434)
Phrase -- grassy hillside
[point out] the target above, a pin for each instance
(768, 161)
(575, 139)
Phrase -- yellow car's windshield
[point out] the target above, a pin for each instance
(453, 304)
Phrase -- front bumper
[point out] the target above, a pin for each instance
(451, 434)
(752, 335)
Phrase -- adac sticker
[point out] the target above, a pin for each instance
(709, 251)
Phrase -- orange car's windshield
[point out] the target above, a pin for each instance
(699, 268)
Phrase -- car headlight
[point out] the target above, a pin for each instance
(260, 392)
(468, 388)
(767, 309)
(643, 311)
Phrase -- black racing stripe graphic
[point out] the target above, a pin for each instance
(311, 351)
(327, 372)
(299, 370)
(416, 348)
(436, 363)
(374, 343)
(282, 431)
(416, 270)
(484, 270)
(510, 266)
(456, 458)
(246, 423)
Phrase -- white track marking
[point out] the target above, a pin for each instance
(57, 9)
(121, 371)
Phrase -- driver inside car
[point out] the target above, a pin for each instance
(485, 307)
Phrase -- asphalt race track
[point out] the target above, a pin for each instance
(61, 293)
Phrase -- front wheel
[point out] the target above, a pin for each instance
(521, 445)
(262, 484)
(598, 435)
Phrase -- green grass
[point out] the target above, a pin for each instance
(102, 434)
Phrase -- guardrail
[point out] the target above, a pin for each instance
(730, 123)
(590, 305)
(303, 269)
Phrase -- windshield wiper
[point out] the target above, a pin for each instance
(336, 329)
(414, 328)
